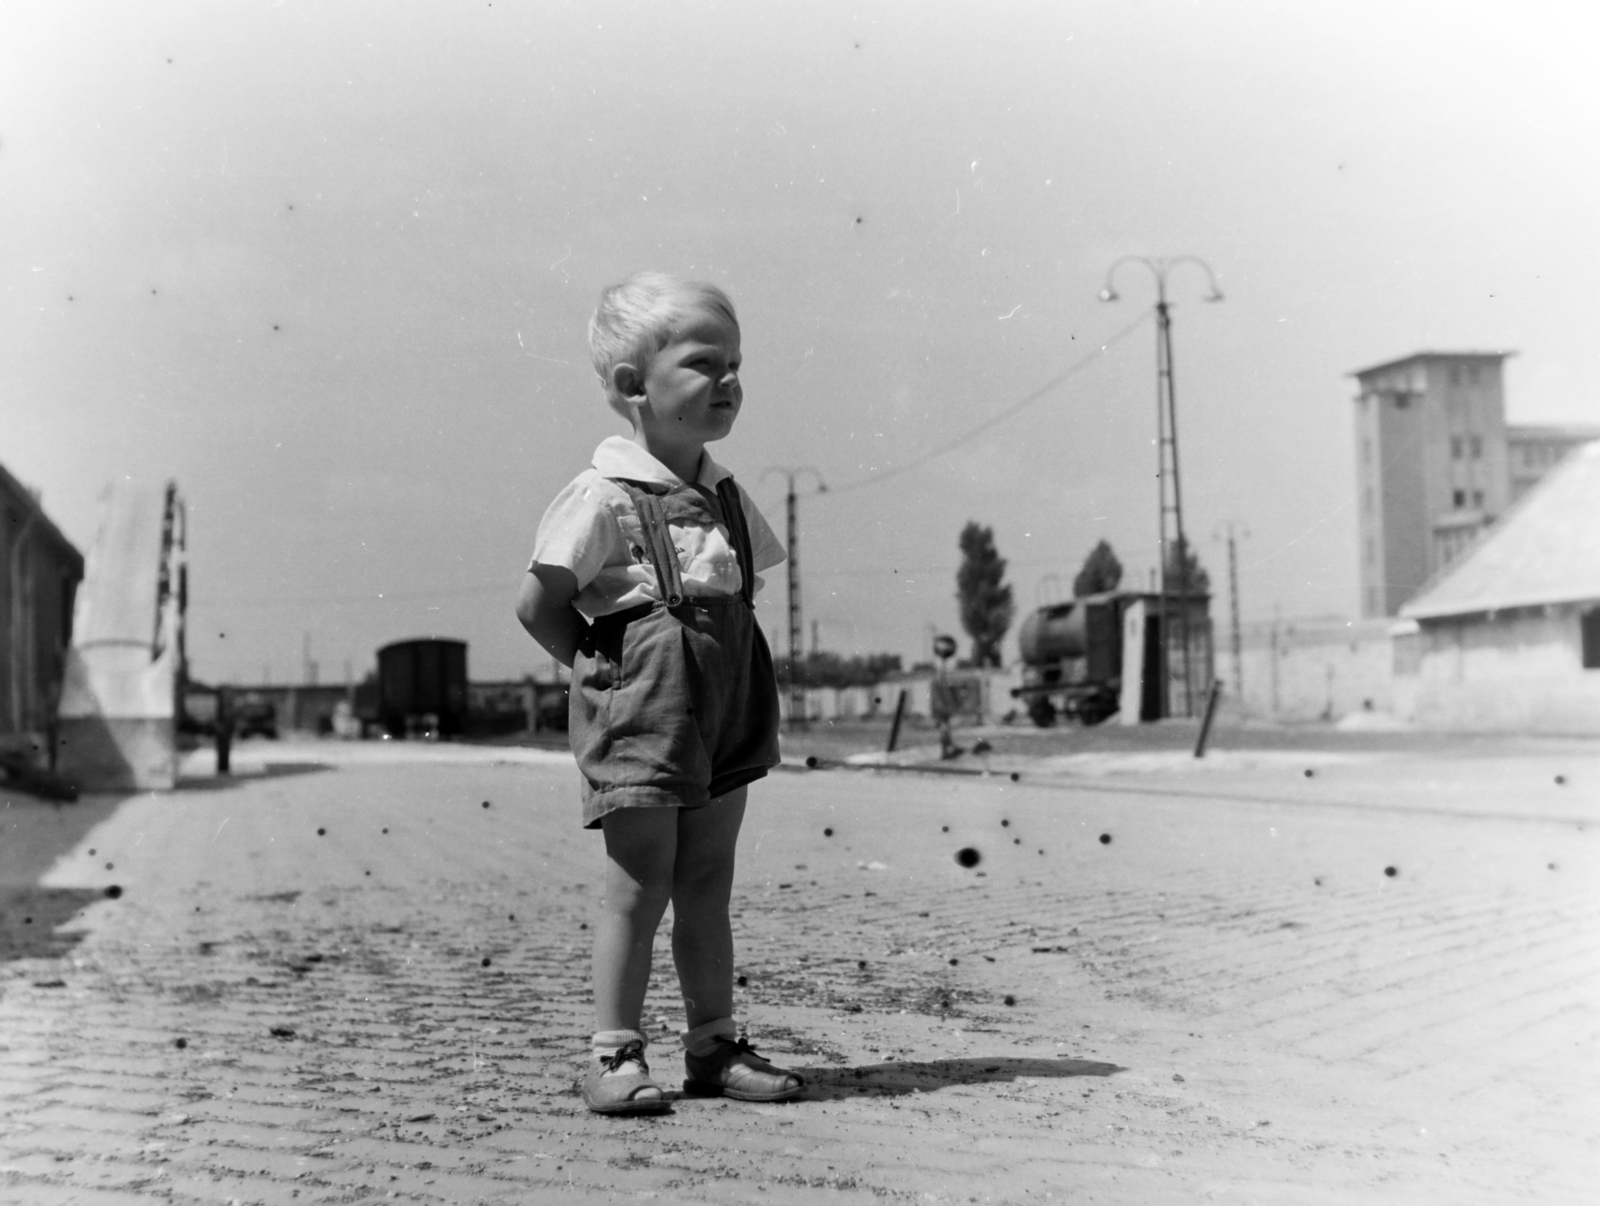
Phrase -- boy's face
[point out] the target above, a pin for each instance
(691, 387)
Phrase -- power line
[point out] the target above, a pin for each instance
(950, 568)
(1059, 379)
(973, 433)
(409, 596)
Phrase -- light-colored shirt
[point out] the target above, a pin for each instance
(592, 530)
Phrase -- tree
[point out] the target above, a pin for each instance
(986, 604)
(1181, 558)
(820, 668)
(1101, 572)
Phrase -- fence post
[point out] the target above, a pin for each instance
(1211, 712)
(899, 715)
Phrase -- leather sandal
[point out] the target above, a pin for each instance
(735, 1070)
(609, 1090)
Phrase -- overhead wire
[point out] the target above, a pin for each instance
(994, 420)
(387, 596)
(873, 479)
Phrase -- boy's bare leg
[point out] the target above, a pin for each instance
(641, 847)
(702, 947)
(702, 883)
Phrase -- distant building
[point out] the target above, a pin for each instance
(1508, 638)
(39, 575)
(1436, 465)
(1534, 451)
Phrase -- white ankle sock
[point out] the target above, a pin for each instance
(607, 1043)
(702, 1040)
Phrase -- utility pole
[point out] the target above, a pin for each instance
(797, 691)
(1174, 545)
(1233, 604)
(1276, 613)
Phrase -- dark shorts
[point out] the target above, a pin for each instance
(671, 708)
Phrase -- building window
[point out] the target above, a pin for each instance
(1590, 624)
(1476, 447)
(1455, 375)
(1459, 497)
(1455, 448)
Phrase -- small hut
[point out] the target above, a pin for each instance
(1507, 638)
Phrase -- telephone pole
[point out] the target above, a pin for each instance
(1233, 607)
(796, 689)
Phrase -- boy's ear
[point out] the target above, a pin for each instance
(629, 383)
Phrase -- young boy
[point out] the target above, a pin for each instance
(642, 581)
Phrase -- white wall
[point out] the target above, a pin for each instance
(860, 703)
(1308, 669)
(1519, 671)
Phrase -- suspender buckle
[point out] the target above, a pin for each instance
(664, 556)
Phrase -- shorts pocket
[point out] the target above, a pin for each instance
(599, 664)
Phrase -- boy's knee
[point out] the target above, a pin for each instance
(641, 886)
(708, 881)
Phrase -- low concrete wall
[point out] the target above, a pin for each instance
(1307, 669)
(987, 692)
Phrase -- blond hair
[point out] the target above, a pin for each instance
(638, 317)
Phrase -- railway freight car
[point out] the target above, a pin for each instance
(422, 687)
(1122, 651)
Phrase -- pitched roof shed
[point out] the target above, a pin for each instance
(1545, 550)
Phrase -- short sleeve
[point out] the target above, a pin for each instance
(765, 547)
(579, 532)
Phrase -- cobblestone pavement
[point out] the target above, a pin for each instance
(356, 974)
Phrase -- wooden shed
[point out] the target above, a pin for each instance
(39, 575)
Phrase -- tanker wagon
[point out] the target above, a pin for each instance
(1075, 656)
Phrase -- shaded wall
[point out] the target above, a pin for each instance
(1515, 671)
(39, 574)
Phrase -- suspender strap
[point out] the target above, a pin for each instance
(658, 542)
(733, 516)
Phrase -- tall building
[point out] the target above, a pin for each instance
(1436, 464)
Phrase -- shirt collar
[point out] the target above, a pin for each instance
(618, 456)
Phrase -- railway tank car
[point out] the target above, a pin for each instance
(1075, 657)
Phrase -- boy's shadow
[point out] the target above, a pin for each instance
(902, 1077)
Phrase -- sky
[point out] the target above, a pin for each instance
(329, 265)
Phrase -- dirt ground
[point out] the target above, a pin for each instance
(1310, 968)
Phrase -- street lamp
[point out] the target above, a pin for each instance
(797, 694)
(1171, 494)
